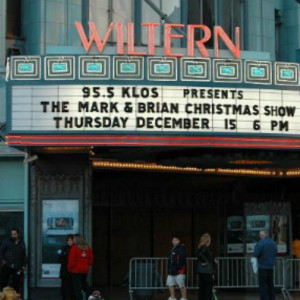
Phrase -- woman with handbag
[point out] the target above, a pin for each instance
(205, 268)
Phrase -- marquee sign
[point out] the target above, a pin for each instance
(163, 109)
(119, 100)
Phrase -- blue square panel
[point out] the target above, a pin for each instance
(128, 68)
(160, 68)
(94, 67)
(286, 74)
(258, 72)
(25, 68)
(59, 68)
(195, 69)
(227, 70)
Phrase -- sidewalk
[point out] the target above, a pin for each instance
(122, 294)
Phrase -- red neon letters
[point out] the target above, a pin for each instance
(168, 39)
(219, 33)
(200, 44)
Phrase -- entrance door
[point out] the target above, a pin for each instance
(120, 234)
(169, 222)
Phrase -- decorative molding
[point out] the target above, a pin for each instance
(270, 207)
(196, 69)
(126, 68)
(59, 68)
(25, 68)
(94, 67)
(162, 69)
(56, 185)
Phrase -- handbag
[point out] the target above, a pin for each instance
(204, 267)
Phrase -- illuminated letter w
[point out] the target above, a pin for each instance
(87, 44)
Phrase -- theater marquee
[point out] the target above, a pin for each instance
(150, 100)
(156, 109)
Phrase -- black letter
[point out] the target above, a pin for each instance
(86, 92)
(57, 119)
(154, 92)
(44, 103)
(110, 91)
(185, 92)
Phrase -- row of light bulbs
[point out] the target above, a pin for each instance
(144, 166)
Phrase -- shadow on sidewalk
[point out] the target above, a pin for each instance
(122, 294)
(44, 294)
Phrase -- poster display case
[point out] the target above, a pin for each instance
(59, 218)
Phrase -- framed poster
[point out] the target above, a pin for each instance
(279, 232)
(59, 218)
(235, 234)
(254, 225)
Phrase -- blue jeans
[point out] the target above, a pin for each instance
(266, 284)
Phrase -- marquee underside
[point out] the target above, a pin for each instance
(146, 140)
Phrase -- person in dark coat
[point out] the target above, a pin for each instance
(13, 260)
(206, 268)
(265, 251)
(177, 269)
(65, 276)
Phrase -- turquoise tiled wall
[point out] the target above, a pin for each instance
(51, 23)
(60, 19)
(33, 25)
(2, 59)
(260, 26)
(2, 102)
(291, 29)
(2, 32)
(11, 180)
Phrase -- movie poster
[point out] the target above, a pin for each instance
(279, 232)
(235, 241)
(254, 225)
(59, 218)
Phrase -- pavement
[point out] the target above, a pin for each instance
(122, 294)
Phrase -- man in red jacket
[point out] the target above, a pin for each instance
(80, 259)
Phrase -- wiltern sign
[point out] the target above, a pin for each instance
(218, 32)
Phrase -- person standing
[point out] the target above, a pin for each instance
(265, 251)
(296, 255)
(13, 260)
(205, 268)
(65, 276)
(80, 259)
(176, 269)
(296, 247)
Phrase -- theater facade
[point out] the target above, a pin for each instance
(150, 128)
